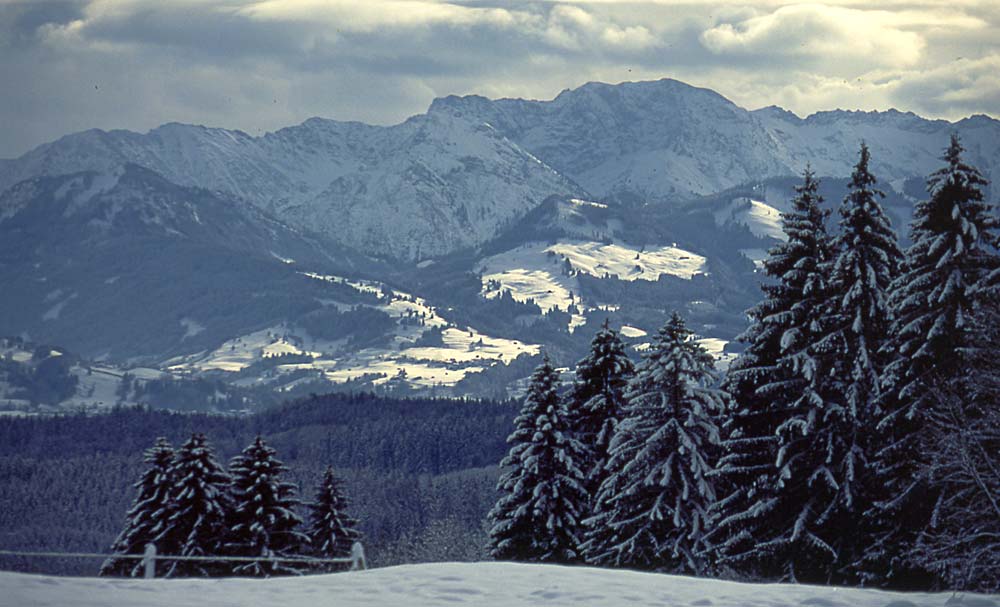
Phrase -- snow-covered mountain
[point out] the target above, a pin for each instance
(456, 176)
(664, 140)
(426, 187)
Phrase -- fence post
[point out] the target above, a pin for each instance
(358, 557)
(149, 561)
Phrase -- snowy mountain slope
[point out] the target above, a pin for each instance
(455, 176)
(655, 140)
(126, 263)
(762, 219)
(435, 584)
(424, 187)
(448, 184)
(665, 140)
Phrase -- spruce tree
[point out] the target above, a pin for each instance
(263, 521)
(537, 517)
(934, 305)
(331, 531)
(777, 385)
(856, 327)
(199, 508)
(597, 400)
(867, 260)
(653, 508)
(147, 517)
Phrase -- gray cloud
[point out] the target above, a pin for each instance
(261, 64)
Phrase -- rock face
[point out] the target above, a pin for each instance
(457, 175)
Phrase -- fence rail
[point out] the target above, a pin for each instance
(149, 557)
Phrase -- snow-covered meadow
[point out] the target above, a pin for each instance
(546, 273)
(462, 350)
(478, 584)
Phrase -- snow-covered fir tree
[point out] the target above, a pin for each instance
(537, 517)
(652, 511)
(199, 507)
(147, 518)
(263, 521)
(867, 260)
(774, 451)
(757, 378)
(597, 400)
(855, 327)
(934, 305)
(331, 531)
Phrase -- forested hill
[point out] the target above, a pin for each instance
(419, 473)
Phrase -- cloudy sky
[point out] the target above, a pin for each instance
(258, 65)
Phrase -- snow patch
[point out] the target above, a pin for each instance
(628, 331)
(587, 203)
(53, 312)
(191, 328)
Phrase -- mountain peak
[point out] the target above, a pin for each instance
(775, 111)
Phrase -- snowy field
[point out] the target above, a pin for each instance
(476, 584)
(461, 352)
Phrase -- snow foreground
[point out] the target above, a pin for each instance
(479, 584)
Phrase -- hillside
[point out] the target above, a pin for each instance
(479, 584)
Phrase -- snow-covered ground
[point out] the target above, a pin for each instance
(547, 273)
(478, 584)
(463, 350)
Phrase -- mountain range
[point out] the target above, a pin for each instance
(384, 255)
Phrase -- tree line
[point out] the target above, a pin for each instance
(188, 505)
(856, 440)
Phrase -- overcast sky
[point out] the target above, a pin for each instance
(69, 65)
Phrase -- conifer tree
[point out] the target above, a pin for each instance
(653, 508)
(856, 327)
(199, 507)
(537, 517)
(867, 260)
(331, 531)
(777, 386)
(263, 521)
(597, 400)
(147, 517)
(807, 518)
(934, 308)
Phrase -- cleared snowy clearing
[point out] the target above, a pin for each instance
(546, 273)
(479, 584)
(760, 218)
